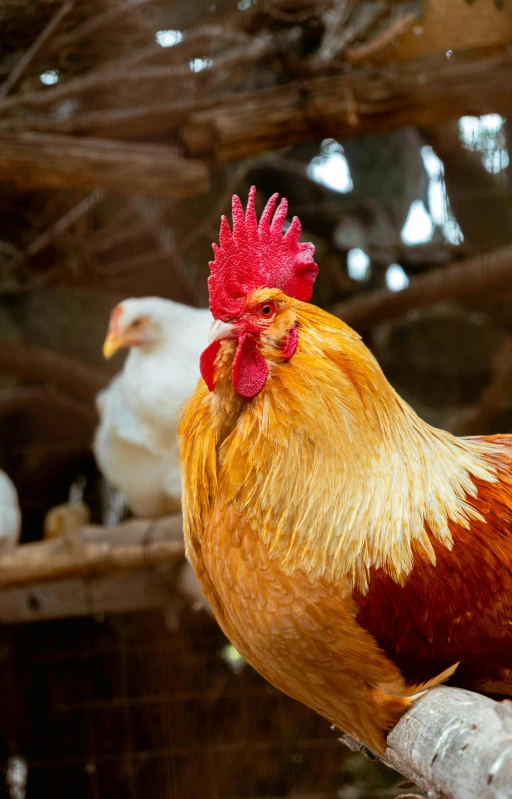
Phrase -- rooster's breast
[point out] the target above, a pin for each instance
(300, 635)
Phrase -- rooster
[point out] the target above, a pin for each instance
(354, 555)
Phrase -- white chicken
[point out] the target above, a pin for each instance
(136, 445)
(10, 514)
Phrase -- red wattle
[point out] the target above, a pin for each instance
(207, 363)
(250, 370)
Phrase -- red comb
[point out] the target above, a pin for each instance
(258, 255)
(114, 318)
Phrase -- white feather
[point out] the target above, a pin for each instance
(10, 514)
(136, 443)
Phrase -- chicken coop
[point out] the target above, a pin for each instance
(125, 128)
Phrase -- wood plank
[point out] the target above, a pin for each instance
(55, 161)
(115, 593)
(93, 550)
(372, 100)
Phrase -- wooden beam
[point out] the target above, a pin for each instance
(93, 551)
(372, 100)
(111, 593)
(54, 161)
(169, 587)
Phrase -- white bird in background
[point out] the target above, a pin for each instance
(136, 445)
(10, 514)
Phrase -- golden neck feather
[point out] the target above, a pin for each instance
(330, 466)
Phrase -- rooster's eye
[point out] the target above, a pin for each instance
(136, 322)
(267, 309)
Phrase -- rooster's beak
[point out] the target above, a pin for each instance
(112, 344)
(220, 330)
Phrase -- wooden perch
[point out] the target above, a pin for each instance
(56, 162)
(378, 100)
(94, 550)
(455, 744)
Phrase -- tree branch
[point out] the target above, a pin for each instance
(253, 50)
(455, 744)
(234, 125)
(95, 23)
(337, 34)
(36, 365)
(34, 49)
(457, 281)
(61, 225)
(365, 51)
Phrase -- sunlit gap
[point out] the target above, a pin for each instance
(331, 168)
(396, 279)
(198, 64)
(438, 203)
(419, 227)
(49, 78)
(484, 135)
(358, 264)
(168, 38)
(233, 658)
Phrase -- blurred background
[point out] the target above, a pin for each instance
(125, 127)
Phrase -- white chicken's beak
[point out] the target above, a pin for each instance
(220, 330)
(112, 344)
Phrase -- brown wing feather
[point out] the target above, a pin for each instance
(461, 608)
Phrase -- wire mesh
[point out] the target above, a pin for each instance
(121, 707)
